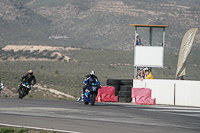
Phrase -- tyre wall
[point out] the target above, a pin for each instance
(122, 88)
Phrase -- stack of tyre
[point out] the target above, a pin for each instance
(122, 88)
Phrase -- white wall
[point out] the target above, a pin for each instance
(187, 93)
(180, 92)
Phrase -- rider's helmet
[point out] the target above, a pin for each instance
(92, 73)
(30, 72)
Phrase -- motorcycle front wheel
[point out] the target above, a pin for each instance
(21, 93)
(92, 98)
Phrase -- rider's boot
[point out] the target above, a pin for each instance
(83, 96)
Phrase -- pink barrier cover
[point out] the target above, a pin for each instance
(145, 100)
(141, 92)
(106, 90)
(107, 94)
(109, 98)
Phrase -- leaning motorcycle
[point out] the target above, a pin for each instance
(91, 92)
(23, 90)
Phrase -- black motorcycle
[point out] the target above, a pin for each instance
(24, 89)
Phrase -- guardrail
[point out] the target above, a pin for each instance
(172, 92)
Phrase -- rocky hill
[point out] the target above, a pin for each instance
(93, 23)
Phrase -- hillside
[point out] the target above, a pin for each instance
(62, 40)
(20, 25)
(67, 76)
(91, 23)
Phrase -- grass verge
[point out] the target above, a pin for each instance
(20, 130)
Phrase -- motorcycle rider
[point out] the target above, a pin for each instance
(86, 80)
(28, 78)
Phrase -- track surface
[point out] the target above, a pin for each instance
(101, 118)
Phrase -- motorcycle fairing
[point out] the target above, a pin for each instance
(87, 92)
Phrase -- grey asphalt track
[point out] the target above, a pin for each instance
(100, 118)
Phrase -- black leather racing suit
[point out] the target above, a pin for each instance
(28, 78)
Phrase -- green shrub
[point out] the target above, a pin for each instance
(21, 130)
(56, 72)
(61, 58)
(53, 57)
(6, 130)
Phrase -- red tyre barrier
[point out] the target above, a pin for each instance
(106, 90)
(109, 98)
(143, 96)
(141, 92)
(107, 94)
(145, 100)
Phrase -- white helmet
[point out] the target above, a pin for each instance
(92, 73)
(137, 35)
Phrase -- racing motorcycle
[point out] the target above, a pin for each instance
(91, 91)
(23, 91)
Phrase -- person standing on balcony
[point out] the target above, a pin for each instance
(138, 40)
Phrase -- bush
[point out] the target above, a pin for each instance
(56, 72)
(16, 57)
(53, 57)
(48, 54)
(61, 58)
